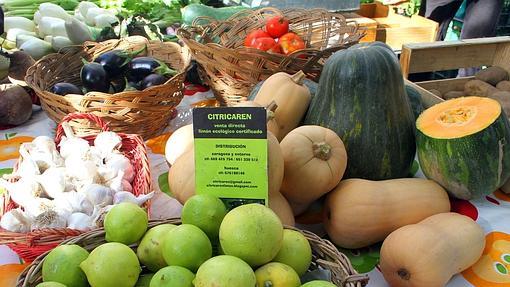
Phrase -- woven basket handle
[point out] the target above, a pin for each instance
(75, 116)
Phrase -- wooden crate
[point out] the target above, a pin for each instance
(367, 24)
(441, 56)
(396, 30)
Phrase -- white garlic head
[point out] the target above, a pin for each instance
(119, 162)
(107, 142)
(73, 202)
(124, 196)
(98, 195)
(80, 221)
(73, 146)
(23, 191)
(49, 219)
(53, 181)
(16, 220)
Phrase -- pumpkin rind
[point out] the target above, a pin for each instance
(361, 97)
(415, 101)
(469, 166)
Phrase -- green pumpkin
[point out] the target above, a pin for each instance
(361, 96)
(464, 145)
(415, 100)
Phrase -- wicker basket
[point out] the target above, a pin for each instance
(232, 70)
(144, 112)
(30, 245)
(325, 255)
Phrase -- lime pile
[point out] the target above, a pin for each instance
(246, 247)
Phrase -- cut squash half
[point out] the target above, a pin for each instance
(464, 145)
(459, 117)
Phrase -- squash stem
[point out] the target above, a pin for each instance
(404, 274)
(298, 77)
(271, 108)
(322, 150)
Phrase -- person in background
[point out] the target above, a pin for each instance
(480, 20)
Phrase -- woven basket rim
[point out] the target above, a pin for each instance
(340, 263)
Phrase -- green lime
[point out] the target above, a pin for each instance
(125, 223)
(295, 252)
(186, 246)
(112, 265)
(252, 232)
(206, 212)
(149, 250)
(318, 283)
(277, 274)
(62, 265)
(225, 270)
(173, 276)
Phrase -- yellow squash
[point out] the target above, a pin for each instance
(429, 253)
(291, 96)
(361, 212)
(315, 161)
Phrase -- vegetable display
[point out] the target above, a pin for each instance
(361, 96)
(463, 145)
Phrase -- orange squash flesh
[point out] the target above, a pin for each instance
(458, 117)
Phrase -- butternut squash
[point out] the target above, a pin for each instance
(291, 96)
(181, 177)
(178, 143)
(429, 253)
(279, 204)
(315, 161)
(361, 212)
(272, 125)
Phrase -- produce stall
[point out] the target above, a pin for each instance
(259, 147)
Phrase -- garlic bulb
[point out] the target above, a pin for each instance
(16, 220)
(98, 195)
(37, 206)
(53, 181)
(118, 162)
(27, 167)
(107, 143)
(80, 221)
(22, 192)
(85, 171)
(73, 201)
(49, 219)
(45, 149)
(119, 183)
(73, 146)
(98, 219)
(124, 196)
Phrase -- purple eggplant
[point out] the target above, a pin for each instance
(94, 78)
(65, 89)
